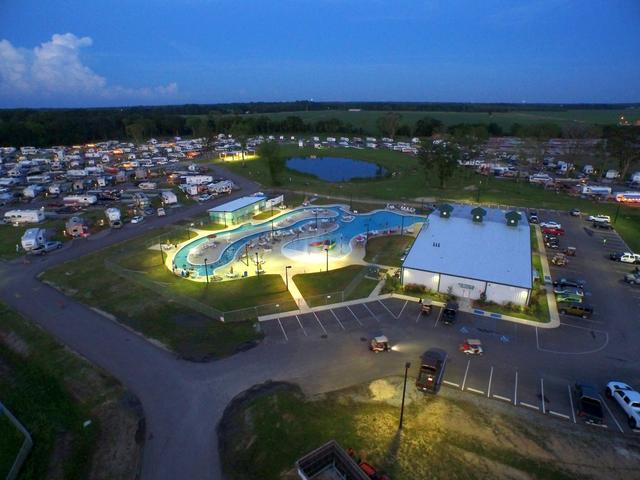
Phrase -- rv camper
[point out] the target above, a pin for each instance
(83, 200)
(114, 217)
(169, 198)
(33, 238)
(23, 216)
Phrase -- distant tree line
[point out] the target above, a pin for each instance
(47, 127)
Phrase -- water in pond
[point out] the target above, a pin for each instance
(336, 169)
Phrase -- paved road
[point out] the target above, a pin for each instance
(183, 401)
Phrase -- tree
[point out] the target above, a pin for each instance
(239, 132)
(270, 152)
(388, 124)
(622, 144)
(195, 125)
(427, 126)
(136, 130)
(439, 157)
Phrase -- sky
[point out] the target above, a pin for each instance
(76, 53)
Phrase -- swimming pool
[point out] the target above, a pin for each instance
(341, 228)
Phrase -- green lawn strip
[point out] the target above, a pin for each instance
(364, 287)
(266, 214)
(387, 250)
(314, 287)
(37, 389)
(11, 440)
(265, 434)
(162, 306)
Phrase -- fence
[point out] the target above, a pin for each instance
(24, 449)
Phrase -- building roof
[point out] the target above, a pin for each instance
(237, 204)
(488, 251)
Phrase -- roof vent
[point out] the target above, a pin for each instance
(512, 218)
(477, 214)
(445, 210)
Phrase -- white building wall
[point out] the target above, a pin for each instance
(503, 294)
(419, 277)
(461, 287)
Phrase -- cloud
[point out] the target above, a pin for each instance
(55, 69)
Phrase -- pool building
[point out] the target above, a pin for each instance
(237, 211)
(469, 252)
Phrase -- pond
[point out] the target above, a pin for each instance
(336, 169)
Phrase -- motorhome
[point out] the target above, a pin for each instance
(114, 217)
(80, 200)
(540, 178)
(32, 191)
(33, 238)
(169, 198)
(594, 190)
(23, 216)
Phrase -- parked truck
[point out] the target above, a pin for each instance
(114, 217)
(588, 403)
(432, 364)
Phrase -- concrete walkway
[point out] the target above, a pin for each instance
(554, 317)
(297, 296)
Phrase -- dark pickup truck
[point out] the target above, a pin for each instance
(588, 403)
(432, 365)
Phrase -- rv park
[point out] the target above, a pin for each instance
(214, 292)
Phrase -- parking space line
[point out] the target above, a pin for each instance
(611, 413)
(369, 310)
(282, 328)
(300, 323)
(528, 405)
(542, 395)
(457, 385)
(515, 391)
(354, 315)
(464, 380)
(561, 415)
(438, 319)
(403, 307)
(321, 325)
(475, 390)
(419, 315)
(500, 397)
(573, 412)
(337, 319)
(385, 307)
(489, 388)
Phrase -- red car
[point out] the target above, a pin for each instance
(553, 231)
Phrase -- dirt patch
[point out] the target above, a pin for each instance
(14, 343)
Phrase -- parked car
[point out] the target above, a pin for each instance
(432, 364)
(569, 282)
(575, 309)
(588, 404)
(137, 219)
(625, 257)
(599, 218)
(550, 225)
(602, 225)
(575, 212)
(568, 298)
(533, 217)
(449, 313)
(564, 290)
(632, 278)
(553, 231)
(628, 399)
(551, 241)
(49, 246)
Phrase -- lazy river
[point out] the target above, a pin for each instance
(297, 239)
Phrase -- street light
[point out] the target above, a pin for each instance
(326, 250)
(206, 271)
(407, 365)
(286, 275)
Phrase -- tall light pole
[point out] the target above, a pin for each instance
(326, 250)
(206, 271)
(407, 365)
(257, 265)
(286, 276)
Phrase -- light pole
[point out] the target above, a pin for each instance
(407, 365)
(616, 215)
(286, 275)
(161, 253)
(206, 271)
(326, 250)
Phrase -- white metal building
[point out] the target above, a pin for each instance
(467, 251)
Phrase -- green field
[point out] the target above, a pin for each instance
(10, 236)
(367, 119)
(179, 313)
(411, 184)
(387, 250)
(347, 283)
(53, 392)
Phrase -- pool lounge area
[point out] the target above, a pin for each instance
(310, 237)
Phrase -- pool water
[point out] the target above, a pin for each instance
(338, 239)
(336, 169)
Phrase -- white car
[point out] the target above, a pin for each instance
(628, 399)
(550, 225)
(137, 219)
(599, 218)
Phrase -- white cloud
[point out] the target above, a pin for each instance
(54, 68)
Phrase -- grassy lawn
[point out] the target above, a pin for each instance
(266, 214)
(316, 286)
(10, 442)
(448, 436)
(388, 250)
(410, 184)
(10, 236)
(179, 313)
(53, 392)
